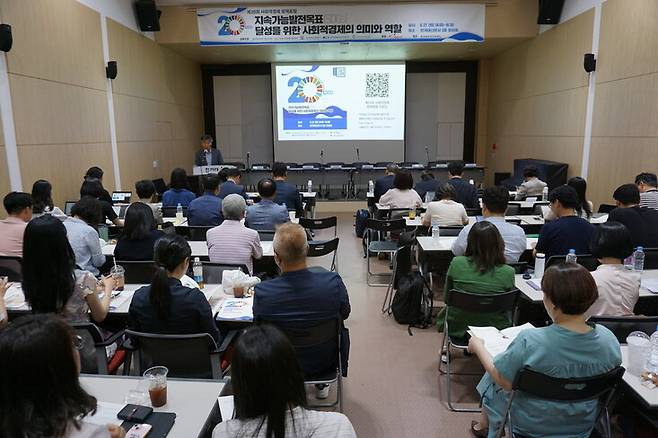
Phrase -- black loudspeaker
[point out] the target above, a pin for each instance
(6, 39)
(111, 70)
(148, 17)
(550, 11)
(589, 62)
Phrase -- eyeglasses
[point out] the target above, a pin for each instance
(78, 342)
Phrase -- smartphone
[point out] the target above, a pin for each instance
(139, 431)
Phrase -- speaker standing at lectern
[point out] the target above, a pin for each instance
(207, 155)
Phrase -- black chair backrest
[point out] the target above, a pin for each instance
(193, 232)
(513, 221)
(489, 303)
(186, 356)
(11, 268)
(266, 235)
(569, 389)
(91, 334)
(512, 209)
(319, 223)
(319, 248)
(650, 258)
(606, 208)
(586, 260)
(450, 231)
(213, 272)
(474, 211)
(385, 225)
(519, 267)
(138, 272)
(622, 326)
(537, 208)
(171, 211)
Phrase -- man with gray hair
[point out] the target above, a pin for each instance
(305, 296)
(232, 242)
(385, 183)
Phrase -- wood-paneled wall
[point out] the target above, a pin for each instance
(537, 98)
(625, 127)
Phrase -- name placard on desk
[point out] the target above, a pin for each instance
(206, 170)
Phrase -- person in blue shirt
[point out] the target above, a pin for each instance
(571, 347)
(266, 214)
(385, 183)
(304, 296)
(426, 184)
(569, 231)
(178, 192)
(207, 208)
(232, 184)
(166, 306)
(286, 193)
(466, 192)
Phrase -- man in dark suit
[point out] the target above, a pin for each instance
(232, 184)
(466, 193)
(427, 184)
(286, 193)
(207, 155)
(306, 297)
(642, 222)
(385, 183)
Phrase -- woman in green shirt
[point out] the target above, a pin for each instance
(482, 270)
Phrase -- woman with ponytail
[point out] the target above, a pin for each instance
(166, 306)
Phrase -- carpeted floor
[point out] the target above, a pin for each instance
(394, 389)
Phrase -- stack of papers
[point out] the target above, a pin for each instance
(496, 341)
(236, 309)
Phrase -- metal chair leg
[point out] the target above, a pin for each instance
(388, 298)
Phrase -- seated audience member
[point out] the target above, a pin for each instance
(138, 236)
(385, 183)
(567, 232)
(647, 183)
(265, 363)
(42, 200)
(232, 242)
(19, 213)
(232, 184)
(166, 306)
(642, 222)
(444, 210)
(178, 192)
(466, 192)
(532, 185)
(286, 193)
(494, 205)
(619, 288)
(426, 184)
(37, 352)
(482, 270)
(266, 214)
(4, 318)
(585, 207)
(303, 295)
(96, 174)
(82, 235)
(223, 177)
(570, 347)
(402, 195)
(145, 190)
(206, 210)
(94, 189)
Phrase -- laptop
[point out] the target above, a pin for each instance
(122, 197)
(68, 206)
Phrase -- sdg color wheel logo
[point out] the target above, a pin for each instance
(233, 25)
(310, 89)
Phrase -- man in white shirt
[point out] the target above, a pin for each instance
(648, 185)
(532, 185)
(494, 205)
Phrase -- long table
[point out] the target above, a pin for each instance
(199, 249)
(649, 397)
(193, 401)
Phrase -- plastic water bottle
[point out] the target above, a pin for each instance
(652, 363)
(628, 262)
(179, 213)
(435, 232)
(571, 257)
(309, 186)
(371, 187)
(197, 270)
(471, 182)
(638, 259)
(544, 194)
(540, 263)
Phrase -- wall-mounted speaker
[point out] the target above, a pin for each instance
(111, 70)
(148, 17)
(589, 62)
(6, 40)
(549, 11)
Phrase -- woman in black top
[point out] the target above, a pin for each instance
(94, 189)
(166, 306)
(96, 173)
(139, 234)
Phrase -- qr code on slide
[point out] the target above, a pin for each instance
(377, 84)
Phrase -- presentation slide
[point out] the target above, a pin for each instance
(340, 102)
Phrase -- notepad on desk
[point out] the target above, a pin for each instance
(496, 341)
(650, 284)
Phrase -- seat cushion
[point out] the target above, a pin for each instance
(383, 246)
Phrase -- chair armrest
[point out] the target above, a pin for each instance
(226, 342)
(112, 339)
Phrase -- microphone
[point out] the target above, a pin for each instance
(357, 155)
(322, 155)
(427, 153)
(248, 166)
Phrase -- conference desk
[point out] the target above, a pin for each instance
(443, 244)
(193, 401)
(648, 397)
(199, 248)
